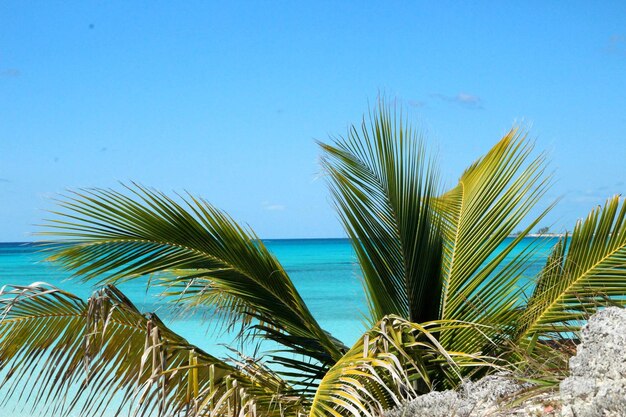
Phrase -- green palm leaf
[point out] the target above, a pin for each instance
(382, 183)
(583, 273)
(491, 199)
(74, 358)
(113, 236)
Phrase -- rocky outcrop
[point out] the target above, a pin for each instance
(596, 386)
(480, 398)
(597, 382)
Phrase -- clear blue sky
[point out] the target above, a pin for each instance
(225, 99)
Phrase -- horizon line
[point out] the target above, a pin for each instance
(531, 235)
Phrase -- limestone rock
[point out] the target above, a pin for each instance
(479, 398)
(596, 386)
(597, 382)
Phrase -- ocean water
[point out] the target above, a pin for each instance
(324, 271)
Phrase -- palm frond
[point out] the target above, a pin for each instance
(491, 199)
(382, 181)
(392, 363)
(72, 357)
(113, 236)
(583, 273)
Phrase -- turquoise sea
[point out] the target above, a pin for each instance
(323, 270)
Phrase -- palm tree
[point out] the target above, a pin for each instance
(445, 303)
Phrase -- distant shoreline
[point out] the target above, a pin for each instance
(542, 235)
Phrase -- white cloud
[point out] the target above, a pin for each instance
(467, 100)
(272, 207)
(416, 103)
(10, 73)
(616, 45)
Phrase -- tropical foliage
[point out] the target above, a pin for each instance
(446, 291)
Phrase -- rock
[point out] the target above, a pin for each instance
(434, 404)
(597, 382)
(478, 398)
(596, 386)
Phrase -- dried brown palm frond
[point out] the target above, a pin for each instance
(72, 357)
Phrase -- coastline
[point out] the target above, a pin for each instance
(550, 235)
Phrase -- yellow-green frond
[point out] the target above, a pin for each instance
(393, 362)
(584, 272)
(490, 200)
